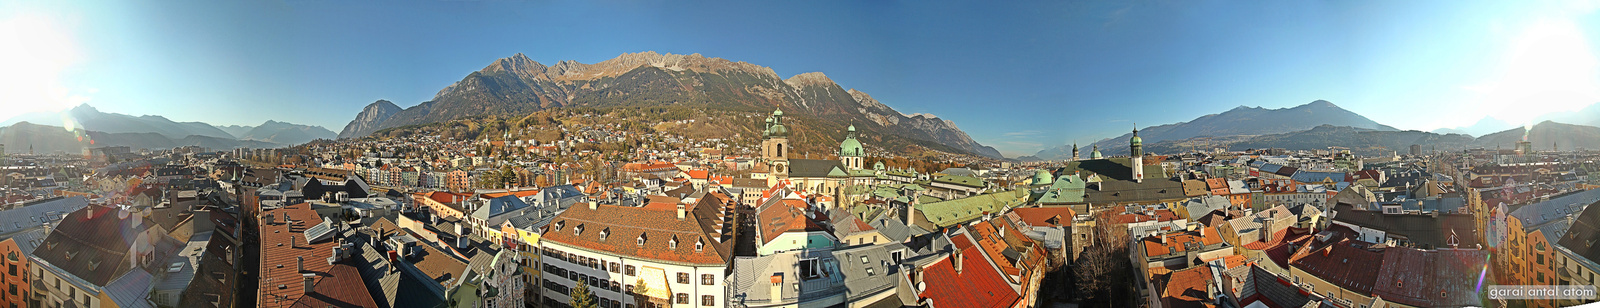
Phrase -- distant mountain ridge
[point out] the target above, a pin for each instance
(1240, 121)
(517, 85)
(1546, 135)
(22, 136)
(287, 133)
(92, 119)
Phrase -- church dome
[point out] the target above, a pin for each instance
(1096, 153)
(850, 148)
(778, 130)
(1042, 177)
(778, 112)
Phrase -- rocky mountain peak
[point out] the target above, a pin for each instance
(809, 79)
(518, 64)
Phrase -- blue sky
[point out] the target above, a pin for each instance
(1017, 76)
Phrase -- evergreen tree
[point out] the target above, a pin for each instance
(583, 298)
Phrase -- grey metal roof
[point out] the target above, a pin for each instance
(846, 274)
(131, 289)
(186, 261)
(37, 214)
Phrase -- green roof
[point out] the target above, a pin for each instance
(961, 180)
(953, 212)
(1067, 189)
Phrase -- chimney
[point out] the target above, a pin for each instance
(1202, 232)
(308, 278)
(956, 259)
(777, 287)
(594, 205)
(393, 258)
(300, 264)
(681, 211)
(1163, 238)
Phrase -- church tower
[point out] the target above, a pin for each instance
(851, 154)
(1075, 151)
(1136, 156)
(775, 149)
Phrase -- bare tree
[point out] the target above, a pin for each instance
(1103, 274)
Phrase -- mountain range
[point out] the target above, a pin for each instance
(1241, 121)
(280, 132)
(1546, 135)
(141, 132)
(518, 85)
(91, 119)
(22, 137)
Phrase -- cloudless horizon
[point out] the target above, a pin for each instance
(1020, 77)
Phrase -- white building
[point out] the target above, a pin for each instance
(674, 258)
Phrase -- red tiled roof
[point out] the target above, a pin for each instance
(1047, 216)
(1153, 245)
(785, 216)
(989, 239)
(624, 225)
(1346, 263)
(699, 174)
(977, 285)
(446, 197)
(280, 244)
(342, 287)
(1187, 288)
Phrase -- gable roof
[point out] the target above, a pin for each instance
(1430, 278)
(813, 168)
(93, 244)
(1346, 263)
(952, 212)
(976, 285)
(624, 225)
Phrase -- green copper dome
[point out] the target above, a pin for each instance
(778, 130)
(1042, 177)
(1096, 153)
(778, 112)
(851, 148)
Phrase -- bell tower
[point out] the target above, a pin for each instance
(775, 149)
(1136, 156)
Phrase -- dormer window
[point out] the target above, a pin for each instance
(578, 230)
(604, 233)
(641, 239)
(699, 246)
(673, 243)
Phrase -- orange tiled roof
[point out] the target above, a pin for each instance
(281, 243)
(1153, 245)
(787, 215)
(623, 226)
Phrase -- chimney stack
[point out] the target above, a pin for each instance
(308, 278)
(777, 287)
(300, 264)
(594, 205)
(681, 211)
(956, 260)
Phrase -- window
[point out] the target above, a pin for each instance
(614, 267)
(630, 270)
(708, 300)
(683, 278)
(809, 268)
(707, 279)
(683, 298)
(1540, 258)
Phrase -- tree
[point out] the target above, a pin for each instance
(1103, 270)
(582, 297)
(640, 291)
